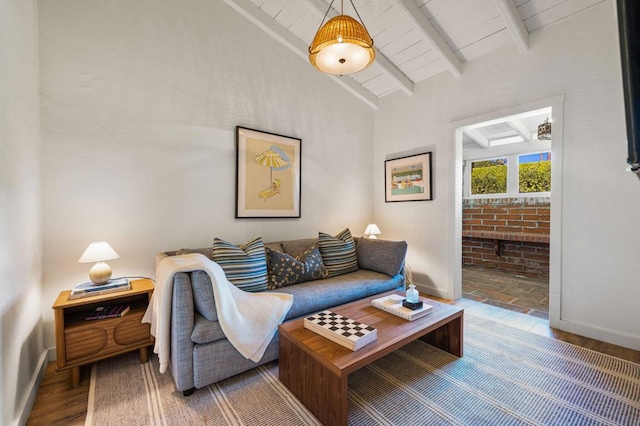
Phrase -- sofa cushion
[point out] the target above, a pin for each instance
(245, 266)
(314, 296)
(338, 253)
(296, 248)
(274, 246)
(286, 270)
(203, 295)
(205, 331)
(382, 256)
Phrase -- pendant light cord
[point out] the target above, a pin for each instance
(341, 12)
(354, 8)
(325, 16)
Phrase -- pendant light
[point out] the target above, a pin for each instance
(544, 131)
(342, 45)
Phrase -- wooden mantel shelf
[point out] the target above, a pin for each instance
(507, 236)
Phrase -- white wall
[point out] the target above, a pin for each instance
(600, 201)
(21, 339)
(139, 103)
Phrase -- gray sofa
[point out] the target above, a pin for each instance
(201, 354)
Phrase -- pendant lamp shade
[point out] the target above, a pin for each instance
(342, 46)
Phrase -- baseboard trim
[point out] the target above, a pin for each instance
(36, 380)
(51, 354)
(604, 335)
(433, 291)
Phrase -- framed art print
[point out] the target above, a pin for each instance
(268, 181)
(408, 178)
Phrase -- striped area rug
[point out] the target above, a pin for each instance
(507, 377)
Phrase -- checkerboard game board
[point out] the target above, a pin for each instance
(340, 329)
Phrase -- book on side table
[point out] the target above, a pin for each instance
(103, 312)
(391, 305)
(90, 289)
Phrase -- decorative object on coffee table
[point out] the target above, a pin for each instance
(267, 174)
(391, 305)
(408, 178)
(412, 294)
(344, 331)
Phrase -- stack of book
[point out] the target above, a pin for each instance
(344, 331)
(91, 289)
(392, 306)
(102, 312)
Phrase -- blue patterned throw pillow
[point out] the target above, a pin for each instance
(338, 253)
(286, 270)
(245, 266)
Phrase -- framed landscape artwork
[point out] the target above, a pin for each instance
(268, 182)
(408, 178)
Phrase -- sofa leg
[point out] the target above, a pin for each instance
(188, 392)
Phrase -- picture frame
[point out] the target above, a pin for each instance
(408, 178)
(268, 174)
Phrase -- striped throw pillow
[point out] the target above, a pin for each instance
(245, 266)
(338, 253)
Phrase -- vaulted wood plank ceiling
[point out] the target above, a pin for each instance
(414, 39)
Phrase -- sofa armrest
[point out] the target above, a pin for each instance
(386, 257)
(182, 322)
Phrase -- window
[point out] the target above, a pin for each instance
(489, 176)
(534, 172)
(509, 175)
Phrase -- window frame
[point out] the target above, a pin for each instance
(513, 177)
(499, 157)
(533, 194)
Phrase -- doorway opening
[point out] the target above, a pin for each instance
(506, 166)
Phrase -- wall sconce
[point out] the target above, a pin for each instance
(372, 230)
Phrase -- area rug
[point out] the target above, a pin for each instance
(506, 377)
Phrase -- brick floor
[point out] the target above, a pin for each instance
(509, 291)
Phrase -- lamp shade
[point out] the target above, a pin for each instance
(342, 46)
(372, 230)
(98, 252)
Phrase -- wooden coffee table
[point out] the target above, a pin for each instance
(315, 369)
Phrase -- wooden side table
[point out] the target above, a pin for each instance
(80, 342)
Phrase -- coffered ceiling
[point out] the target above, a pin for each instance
(414, 39)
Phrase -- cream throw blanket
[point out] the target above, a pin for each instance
(248, 320)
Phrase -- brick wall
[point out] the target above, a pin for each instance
(522, 227)
(521, 215)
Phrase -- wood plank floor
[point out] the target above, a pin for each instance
(57, 403)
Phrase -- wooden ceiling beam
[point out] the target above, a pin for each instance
(477, 137)
(514, 23)
(520, 128)
(270, 26)
(430, 33)
(387, 66)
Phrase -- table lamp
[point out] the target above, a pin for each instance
(99, 253)
(372, 230)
